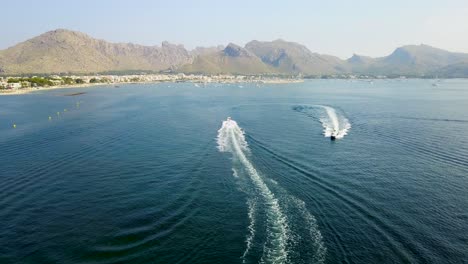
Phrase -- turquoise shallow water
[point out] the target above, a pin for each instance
(141, 174)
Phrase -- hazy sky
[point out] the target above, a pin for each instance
(339, 28)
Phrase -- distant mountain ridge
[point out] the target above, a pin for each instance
(290, 57)
(66, 51)
(412, 60)
(232, 59)
(70, 51)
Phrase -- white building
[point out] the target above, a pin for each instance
(13, 85)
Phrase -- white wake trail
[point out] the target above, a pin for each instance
(251, 235)
(334, 124)
(231, 139)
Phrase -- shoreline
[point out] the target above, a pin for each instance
(32, 90)
(195, 81)
(23, 91)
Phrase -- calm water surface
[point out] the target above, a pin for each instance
(141, 174)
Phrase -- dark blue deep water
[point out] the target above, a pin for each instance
(139, 174)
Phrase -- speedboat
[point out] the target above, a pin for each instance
(333, 135)
(229, 122)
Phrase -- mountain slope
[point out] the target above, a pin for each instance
(359, 64)
(69, 51)
(292, 57)
(65, 51)
(457, 70)
(232, 59)
(415, 60)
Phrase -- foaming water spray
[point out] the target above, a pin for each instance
(335, 125)
(231, 139)
(269, 209)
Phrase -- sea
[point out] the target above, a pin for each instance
(236, 173)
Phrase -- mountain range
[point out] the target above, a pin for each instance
(66, 51)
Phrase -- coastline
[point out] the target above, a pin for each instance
(32, 90)
(87, 85)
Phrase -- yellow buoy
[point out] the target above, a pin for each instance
(58, 113)
(14, 125)
(50, 118)
(65, 110)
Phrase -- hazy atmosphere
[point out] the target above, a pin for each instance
(234, 132)
(341, 28)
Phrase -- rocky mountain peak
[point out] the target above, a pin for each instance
(234, 50)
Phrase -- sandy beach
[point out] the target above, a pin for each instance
(85, 85)
(32, 90)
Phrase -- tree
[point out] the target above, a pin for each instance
(39, 81)
(14, 80)
(25, 84)
(68, 80)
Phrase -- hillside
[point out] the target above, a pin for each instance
(457, 70)
(232, 59)
(65, 51)
(414, 60)
(70, 51)
(292, 57)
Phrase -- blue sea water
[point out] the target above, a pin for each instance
(149, 173)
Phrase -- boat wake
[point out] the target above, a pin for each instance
(231, 139)
(266, 210)
(335, 125)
